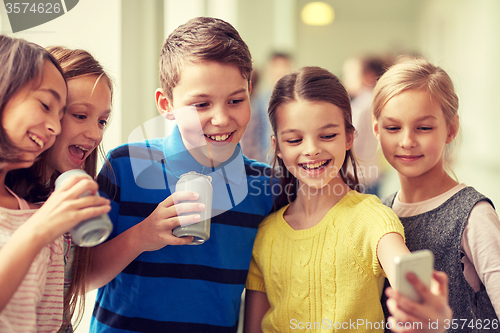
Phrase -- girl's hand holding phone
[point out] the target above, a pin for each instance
(429, 315)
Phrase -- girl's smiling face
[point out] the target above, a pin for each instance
(312, 141)
(413, 133)
(89, 103)
(31, 118)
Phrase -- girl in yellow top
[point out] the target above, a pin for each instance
(318, 263)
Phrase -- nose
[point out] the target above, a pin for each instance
(53, 124)
(93, 133)
(311, 148)
(220, 117)
(408, 139)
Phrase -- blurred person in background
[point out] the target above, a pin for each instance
(360, 76)
(255, 142)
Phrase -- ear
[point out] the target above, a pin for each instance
(453, 129)
(249, 87)
(350, 140)
(163, 105)
(278, 153)
(375, 128)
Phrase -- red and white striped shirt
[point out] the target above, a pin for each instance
(37, 305)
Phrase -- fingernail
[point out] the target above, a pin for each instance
(201, 206)
(196, 217)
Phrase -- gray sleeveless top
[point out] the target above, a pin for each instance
(440, 230)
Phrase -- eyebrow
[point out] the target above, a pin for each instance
(54, 93)
(418, 119)
(327, 126)
(242, 90)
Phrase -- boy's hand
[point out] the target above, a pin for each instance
(155, 231)
(431, 315)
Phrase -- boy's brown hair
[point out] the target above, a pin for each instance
(202, 39)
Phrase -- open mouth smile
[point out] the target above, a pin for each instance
(219, 137)
(36, 140)
(314, 166)
(78, 152)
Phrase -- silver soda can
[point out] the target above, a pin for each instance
(90, 232)
(201, 184)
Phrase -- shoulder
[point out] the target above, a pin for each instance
(367, 211)
(366, 204)
(271, 220)
(269, 228)
(471, 194)
(389, 200)
(254, 168)
(140, 149)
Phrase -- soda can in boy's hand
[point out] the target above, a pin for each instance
(201, 184)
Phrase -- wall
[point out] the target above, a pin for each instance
(464, 38)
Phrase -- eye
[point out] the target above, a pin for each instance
(392, 128)
(293, 141)
(235, 101)
(80, 116)
(103, 122)
(201, 105)
(425, 128)
(329, 137)
(45, 106)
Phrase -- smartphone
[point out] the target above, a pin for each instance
(421, 263)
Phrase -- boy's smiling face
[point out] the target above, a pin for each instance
(211, 104)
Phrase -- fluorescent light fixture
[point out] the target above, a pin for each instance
(317, 13)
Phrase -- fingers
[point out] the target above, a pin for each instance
(188, 208)
(90, 212)
(71, 181)
(180, 196)
(440, 282)
(181, 240)
(186, 212)
(402, 308)
(419, 286)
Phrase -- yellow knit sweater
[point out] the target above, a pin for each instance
(326, 278)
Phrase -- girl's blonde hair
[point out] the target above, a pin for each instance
(419, 74)
(311, 84)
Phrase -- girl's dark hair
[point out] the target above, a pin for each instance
(311, 84)
(21, 63)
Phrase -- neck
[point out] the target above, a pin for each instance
(312, 204)
(6, 199)
(426, 186)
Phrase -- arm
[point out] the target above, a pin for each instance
(435, 300)
(481, 244)
(153, 233)
(63, 210)
(256, 306)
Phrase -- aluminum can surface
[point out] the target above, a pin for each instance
(201, 184)
(89, 232)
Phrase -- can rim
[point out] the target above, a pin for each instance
(194, 173)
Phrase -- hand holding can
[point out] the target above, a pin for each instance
(201, 184)
(90, 232)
